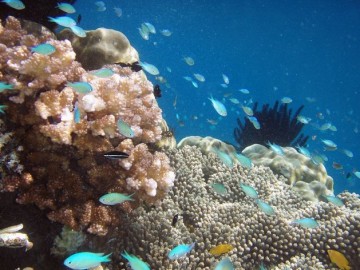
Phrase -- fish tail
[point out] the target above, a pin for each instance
(106, 258)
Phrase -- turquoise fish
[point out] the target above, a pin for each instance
(125, 129)
(103, 72)
(218, 106)
(224, 157)
(254, 121)
(85, 260)
(16, 4)
(63, 21)
(307, 223)
(243, 160)
(153, 70)
(115, 198)
(80, 87)
(180, 251)
(77, 115)
(77, 30)
(135, 262)
(219, 188)
(276, 148)
(334, 200)
(2, 107)
(68, 8)
(249, 191)
(304, 151)
(5, 86)
(266, 208)
(44, 49)
(225, 264)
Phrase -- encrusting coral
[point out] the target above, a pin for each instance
(65, 171)
(209, 219)
(310, 180)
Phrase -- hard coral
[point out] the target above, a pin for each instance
(209, 219)
(64, 159)
(276, 125)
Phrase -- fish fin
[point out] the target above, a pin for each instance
(106, 258)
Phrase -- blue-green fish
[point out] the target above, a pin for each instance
(307, 223)
(243, 160)
(225, 264)
(77, 30)
(2, 107)
(218, 106)
(44, 49)
(329, 143)
(63, 21)
(249, 191)
(5, 86)
(219, 188)
(16, 4)
(103, 72)
(334, 200)
(80, 87)
(254, 121)
(85, 260)
(77, 115)
(135, 262)
(225, 158)
(180, 251)
(276, 148)
(125, 129)
(68, 8)
(115, 198)
(304, 151)
(266, 208)
(153, 70)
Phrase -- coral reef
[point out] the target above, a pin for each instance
(64, 171)
(100, 47)
(276, 125)
(310, 180)
(209, 219)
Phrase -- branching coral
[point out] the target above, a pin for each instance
(276, 126)
(65, 171)
(209, 219)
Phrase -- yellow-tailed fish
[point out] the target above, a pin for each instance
(339, 259)
(68, 8)
(16, 4)
(115, 198)
(249, 191)
(44, 49)
(125, 129)
(221, 249)
(218, 106)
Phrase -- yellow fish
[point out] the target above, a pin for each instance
(339, 259)
(220, 249)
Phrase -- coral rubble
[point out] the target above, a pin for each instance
(209, 219)
(64, 171)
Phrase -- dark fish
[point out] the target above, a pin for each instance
(116, 155)
(78, 19)
(134, 66)
(157, 91)
(174, 220)
(348, 176)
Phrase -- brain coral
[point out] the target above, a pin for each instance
(309, 179)
(209, 219)
(64, 171)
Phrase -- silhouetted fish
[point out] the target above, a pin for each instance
(157, 91)
(116, 155)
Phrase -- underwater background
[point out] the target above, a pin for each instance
(305, 50)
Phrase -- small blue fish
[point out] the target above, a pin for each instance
(68, 8)
(2, 107)
(103, 73)
(334, 200)
(80, 87)
(276, 148)
(44, 49)
(329, 143)
(304, 151)
(307, 223)
(85, 260)
(63, 21)
(244, 91)
(218, 106)
(249, 191)
(115, 198)
(5, 86)
(135, 262)
(16, 4)
(225, 264)
(180, 251)
(77, 116)
(254, 121)
(219, 188)
(125, 129)
(225, 158)
(243, 160)
(266, 208)
(77, 30)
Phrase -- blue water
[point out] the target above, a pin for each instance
(278, 48)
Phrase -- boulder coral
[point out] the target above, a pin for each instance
(209, 219)
(63, 170)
